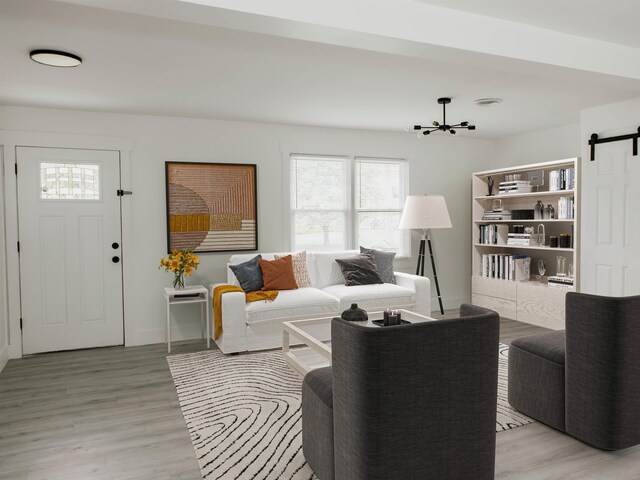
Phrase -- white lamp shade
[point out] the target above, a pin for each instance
(424, 212)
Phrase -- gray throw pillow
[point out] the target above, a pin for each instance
(384, 262)
(249, 274)
(359, 270)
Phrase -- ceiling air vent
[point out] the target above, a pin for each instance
(485, 102)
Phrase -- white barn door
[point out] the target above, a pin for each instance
(611, 221)
(70, 248)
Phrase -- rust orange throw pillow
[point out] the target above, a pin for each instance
(278, 274)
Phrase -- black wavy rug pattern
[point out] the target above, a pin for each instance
(243, 413)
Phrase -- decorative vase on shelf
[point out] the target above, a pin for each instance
(549, 212)
(490, 184)
(538, 210)
(354, 314)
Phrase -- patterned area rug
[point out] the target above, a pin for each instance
(243, 413)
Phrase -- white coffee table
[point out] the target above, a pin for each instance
(317, 354)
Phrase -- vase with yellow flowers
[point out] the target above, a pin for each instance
(181, 263)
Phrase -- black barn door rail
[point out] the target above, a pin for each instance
(595, 140)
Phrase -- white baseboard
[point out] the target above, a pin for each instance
(4, 356)
(150, 336)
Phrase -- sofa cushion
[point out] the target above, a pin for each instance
(243, 257)
(278, 274)
(324, 270)
(384, 262)
(359, 270)
(249, 274)
(300, 269)
(303, 302)
(372, 297)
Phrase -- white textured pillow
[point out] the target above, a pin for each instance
(300, 270)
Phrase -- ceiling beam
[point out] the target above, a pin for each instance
(404, 27)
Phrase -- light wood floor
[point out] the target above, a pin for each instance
(113, 413)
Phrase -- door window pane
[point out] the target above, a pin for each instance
(69, 181)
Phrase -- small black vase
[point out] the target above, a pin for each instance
(354, 314)
(490, 185)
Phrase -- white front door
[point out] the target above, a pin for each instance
(70, 248)
(610, 256)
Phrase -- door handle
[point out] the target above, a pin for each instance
(115, 259)
(115, 245)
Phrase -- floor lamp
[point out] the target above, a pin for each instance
(424, 212)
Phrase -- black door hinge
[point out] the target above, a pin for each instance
(18, 247)
(16, 167)
(122, 193)
(20, 323)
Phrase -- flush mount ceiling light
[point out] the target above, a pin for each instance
(485, 102)
(444, 126)
(55, 58)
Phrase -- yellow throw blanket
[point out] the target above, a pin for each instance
(268, 295)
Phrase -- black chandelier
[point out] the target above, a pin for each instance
(444, 126)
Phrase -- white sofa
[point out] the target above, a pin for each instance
(258, 325)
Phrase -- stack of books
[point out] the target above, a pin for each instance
(522, 214)
(557, 281)
(493, 215)
(563, 179)
(516, 186)
(505, 267)
(523, 239)
(488, 234)
(565, 208)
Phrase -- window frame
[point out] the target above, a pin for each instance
(352, 212)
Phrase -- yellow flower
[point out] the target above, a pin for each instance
(179, 261)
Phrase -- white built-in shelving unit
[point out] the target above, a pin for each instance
(532, 301)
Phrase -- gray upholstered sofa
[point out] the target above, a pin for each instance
(405, 402)
(584, 381)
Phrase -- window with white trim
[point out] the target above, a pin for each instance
(340, 203)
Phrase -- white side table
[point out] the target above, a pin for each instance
(191, 294)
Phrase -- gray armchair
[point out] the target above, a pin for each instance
(584, 381)
(406, 402)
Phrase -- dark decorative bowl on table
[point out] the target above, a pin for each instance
(354, 314)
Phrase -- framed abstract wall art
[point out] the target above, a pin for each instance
(211, 207)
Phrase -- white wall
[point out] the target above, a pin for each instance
(437, 165)
(537, 146)
(610, 185)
